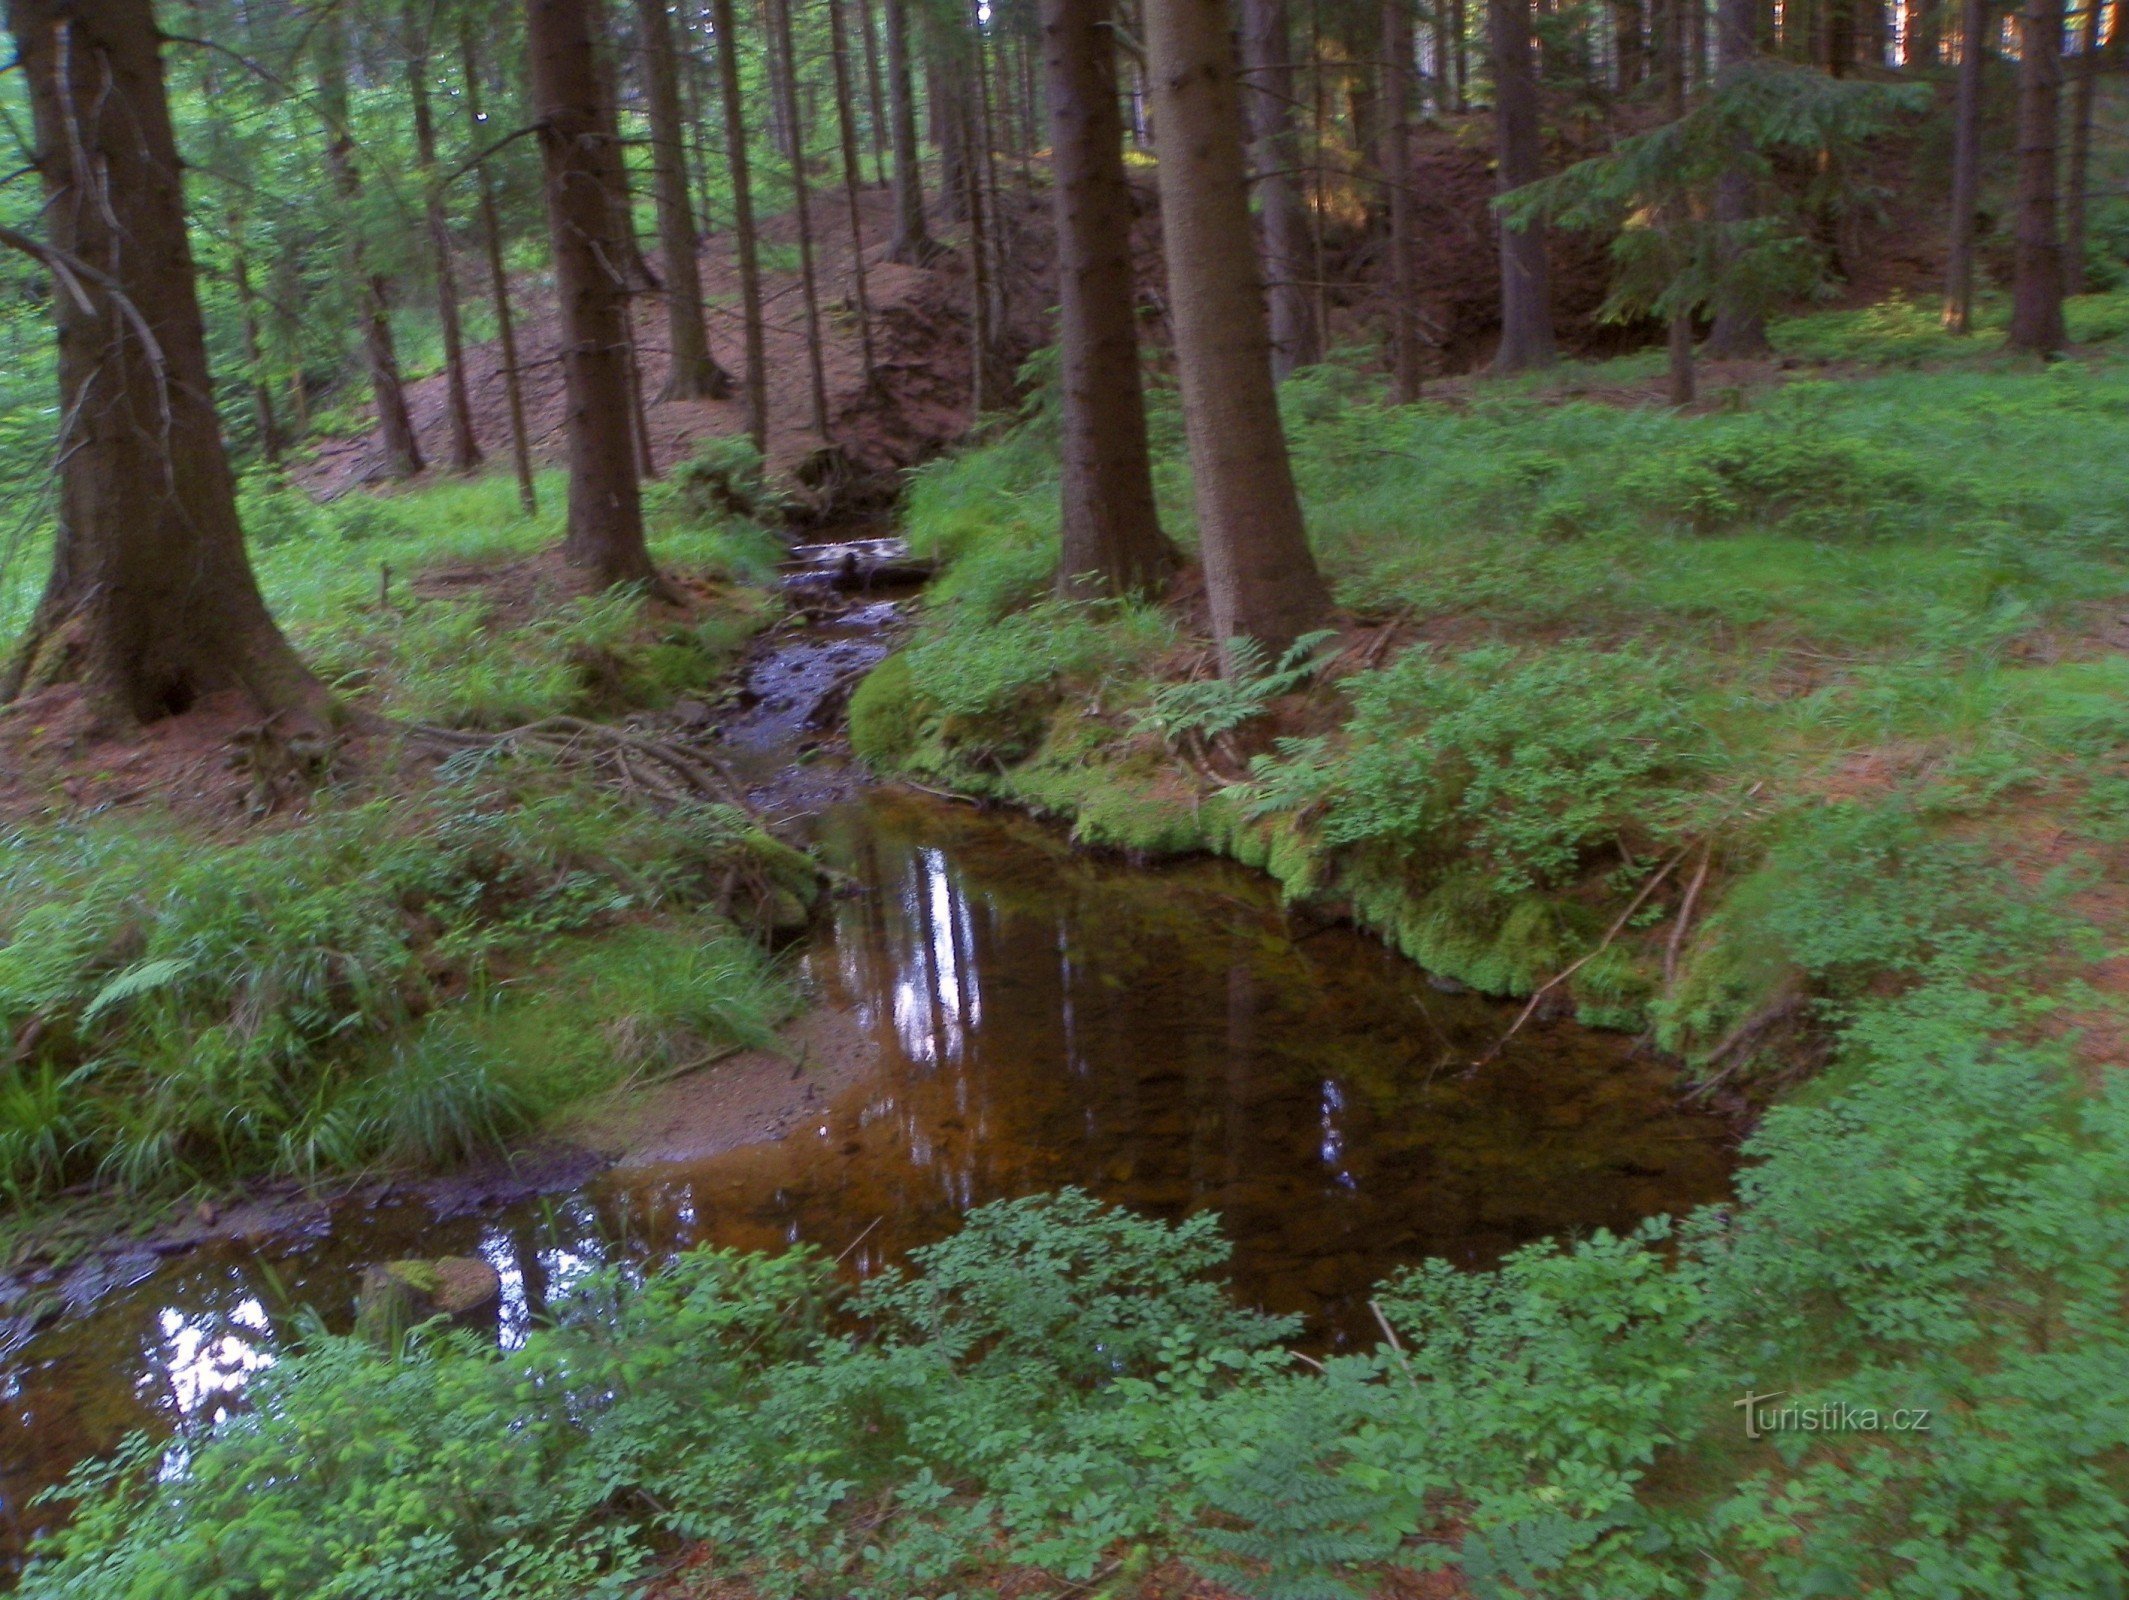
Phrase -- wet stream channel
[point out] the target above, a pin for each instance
(1161, 1036)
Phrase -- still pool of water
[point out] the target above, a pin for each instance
(1162, 1037)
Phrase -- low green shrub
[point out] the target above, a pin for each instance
(1530, 759)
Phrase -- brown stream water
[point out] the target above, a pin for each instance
(1160, 1036)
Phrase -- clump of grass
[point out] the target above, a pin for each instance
(188, 1014)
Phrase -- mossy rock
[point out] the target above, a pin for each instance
(399, 1296)
(884, 725)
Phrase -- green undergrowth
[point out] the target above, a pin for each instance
(444, 603)
(1061, 1398)
(1790, 733)
(414, 967)
(1630, 644)
(380, 982)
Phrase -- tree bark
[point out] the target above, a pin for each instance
(745, 245)
(2036, 290)
(1738, 329)
(373, 291)
(1112, 539)
(1631, 49)
(227, 160)
(498, 279)
(875, 95)
(1966, 169)
(1680, 353)
(694, 373)
(1526, 295)
(458, 407)
(150, 597)
(912, 244)
(853, 179)
(1283, 225)
(980, 322)
(583, 184)
(2081, 98)
(1397, 179)
(784, 69)
(1259, 575)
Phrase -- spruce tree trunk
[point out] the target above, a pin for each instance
(1680, 353)
(983, 126)
(746, 247)
(498, 278)
(1397, 179)
(783, 68)
(912, 244)
(1738, 330)
(948, 102)
(1259, 575)
(1628, 44)
(694, 374)
(2036, 290)
(1112, 540)
(372, 291)
(150, 600)
(262, 393)
(980, 337)
(1966, 169)
(853, 179)
(1283, 224)
(1526, 293)
(458, 407)
(2074, 201)
(581, 163)
(875, 96)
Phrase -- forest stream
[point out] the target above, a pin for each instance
(1032, 1017)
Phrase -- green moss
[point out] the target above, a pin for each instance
(883, 715)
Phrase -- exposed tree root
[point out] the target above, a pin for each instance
(665, 771)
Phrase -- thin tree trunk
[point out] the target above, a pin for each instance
(1526, 296)
(2036, 290)
(1966, 169)
(1738, 329)
(1680, 351)
(979, 289)
(948, 102)
(1672, 44)
(694, 373)
(853, 179)
(264, 422)
(578, 152)
(875, 96)
(2073, 273)
(1460, 25)
(1627, 42)
(745, 246)
(1397, 177)
(498, 278)
(458, 406)
(1283, 227)
(372, 290)
(912, 244)
(150, 601)
(262, 393)
(1112, 540)
(985, 142)
(784, 67)
(1260, 578)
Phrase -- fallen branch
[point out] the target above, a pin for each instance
(1705, 838)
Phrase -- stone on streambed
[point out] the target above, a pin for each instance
(400, 1295)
